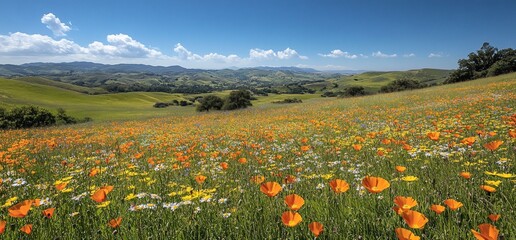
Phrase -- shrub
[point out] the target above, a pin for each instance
(210, 102)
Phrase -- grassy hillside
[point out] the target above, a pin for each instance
(98, 107)
(356, 165)
(373, 81)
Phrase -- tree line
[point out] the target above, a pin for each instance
(31, 116)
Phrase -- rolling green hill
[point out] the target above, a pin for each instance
(373, 81)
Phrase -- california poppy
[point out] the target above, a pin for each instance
(61, 186)
(494, 217)
(401, 168)
(357, 147)
(294, 201)
(339, 185)
(99, 196)
(488, 189)
(290, 179)
(453, 204)
(27, 228)
(437, 208)
(270, 189)
(2, 226)
(290, 218)
(493, 145)
(405, 234)
(114, 223)
(21, 209)
(405, 203)
(433, 136)
(94, 171)
(487, 232)
(468, 141)
(316, 228)
(257, 179)
(414, 219)
(36, 202)
(49, 212)
(375, 184)
(224, 165)
(465, 175)
(305, 148)
(200, 179)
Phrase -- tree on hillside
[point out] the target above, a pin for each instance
(210, 102)
(237, 99)
(401, 85)
(488, 61)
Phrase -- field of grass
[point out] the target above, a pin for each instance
(214, 176)
(373, 81)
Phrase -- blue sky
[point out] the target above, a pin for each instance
(323, 34)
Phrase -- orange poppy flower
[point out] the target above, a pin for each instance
(257, 179)
(290, 218)
(21, 209)
(290, 179)
(242, 160)
(357, 147)
(27, 228)
(294, 201)
(99, 195)
(487, 232)
(339, 185)
(49, 212)
(414, 219)
(305, 148)
(465, 175)
(107, 189)
(224, 165)
(405, 203)
(93, 172)
(468, 141)
(494, 217)
(493, 145)
(401, 169)
(433, 136)
(405, 234)
(2, 226)
(437, 208)
(512, 133)
(316, 228)
(61, 186)
(270, 189)
(114, 223)
(407, 147)
(375, 184)
(488, 189)
(453, 204)
(200, 179)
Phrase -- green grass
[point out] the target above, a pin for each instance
(159, 159)
(373, 81)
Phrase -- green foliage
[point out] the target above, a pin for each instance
(237, 99)
(354, 91)
(210, 102)
(401, 85)
(31, 116)
(488, 61)
(289, 100)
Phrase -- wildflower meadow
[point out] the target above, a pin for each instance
(435, 163)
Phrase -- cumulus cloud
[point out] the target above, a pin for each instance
(435, 55)
(55, 25)
(288, 53)
(409, 55)
(339, 53)
(22, 44)
(185, 54)
(383, 55)
(122, 45)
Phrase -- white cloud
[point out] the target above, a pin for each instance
(435, 55)
(288, 53)
(383, 55)
(55, 25)
(185, 54)
(122, 45)
(22, 44)
(339, 53)
(409, 55)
